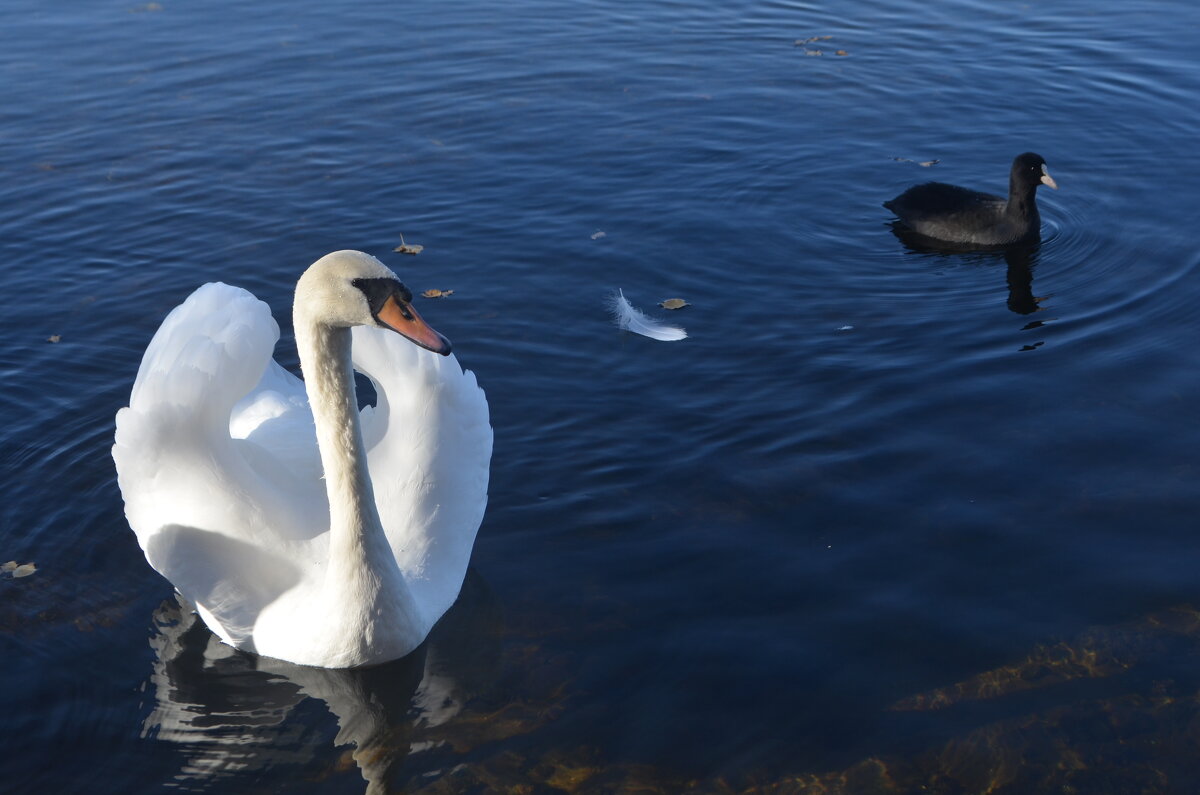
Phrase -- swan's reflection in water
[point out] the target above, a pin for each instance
(239, 718)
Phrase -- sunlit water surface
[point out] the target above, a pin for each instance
(887, 519)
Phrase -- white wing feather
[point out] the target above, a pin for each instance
(633, 320)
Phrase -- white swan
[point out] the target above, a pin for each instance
(301, 529)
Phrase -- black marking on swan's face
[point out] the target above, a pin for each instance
(390, 304)
(378, 291)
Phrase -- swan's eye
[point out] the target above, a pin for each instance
(378, 291)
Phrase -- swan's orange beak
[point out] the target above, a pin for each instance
(401, 317)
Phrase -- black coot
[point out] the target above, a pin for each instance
(956, 215)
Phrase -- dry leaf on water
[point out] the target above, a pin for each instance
(433, 293)
(674, 303)
(405, 248)
(18, 571)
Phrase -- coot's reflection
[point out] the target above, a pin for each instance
(1021, 260)
(241, 717)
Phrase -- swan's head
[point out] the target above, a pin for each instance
(350, 288)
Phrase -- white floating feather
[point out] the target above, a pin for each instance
(633, 320)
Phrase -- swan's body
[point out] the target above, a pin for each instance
(950, 214)
(301, 529)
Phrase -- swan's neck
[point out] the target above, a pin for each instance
(329, 380)
(359, 554)
(365, 610)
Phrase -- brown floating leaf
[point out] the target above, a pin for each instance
(54, 338)
(24, 570)
(674, 303)
(434, 293)
(841, 52)
(405, 248)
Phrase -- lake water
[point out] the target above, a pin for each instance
(889, 520)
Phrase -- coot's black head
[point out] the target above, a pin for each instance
(1030, 169)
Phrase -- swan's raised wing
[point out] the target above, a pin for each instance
(429, 447)
(275, 417)
(179, 468)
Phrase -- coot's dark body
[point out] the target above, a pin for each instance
(957, 215)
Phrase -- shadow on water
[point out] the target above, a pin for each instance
(1020, 261)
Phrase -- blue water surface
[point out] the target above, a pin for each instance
(889, 520)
